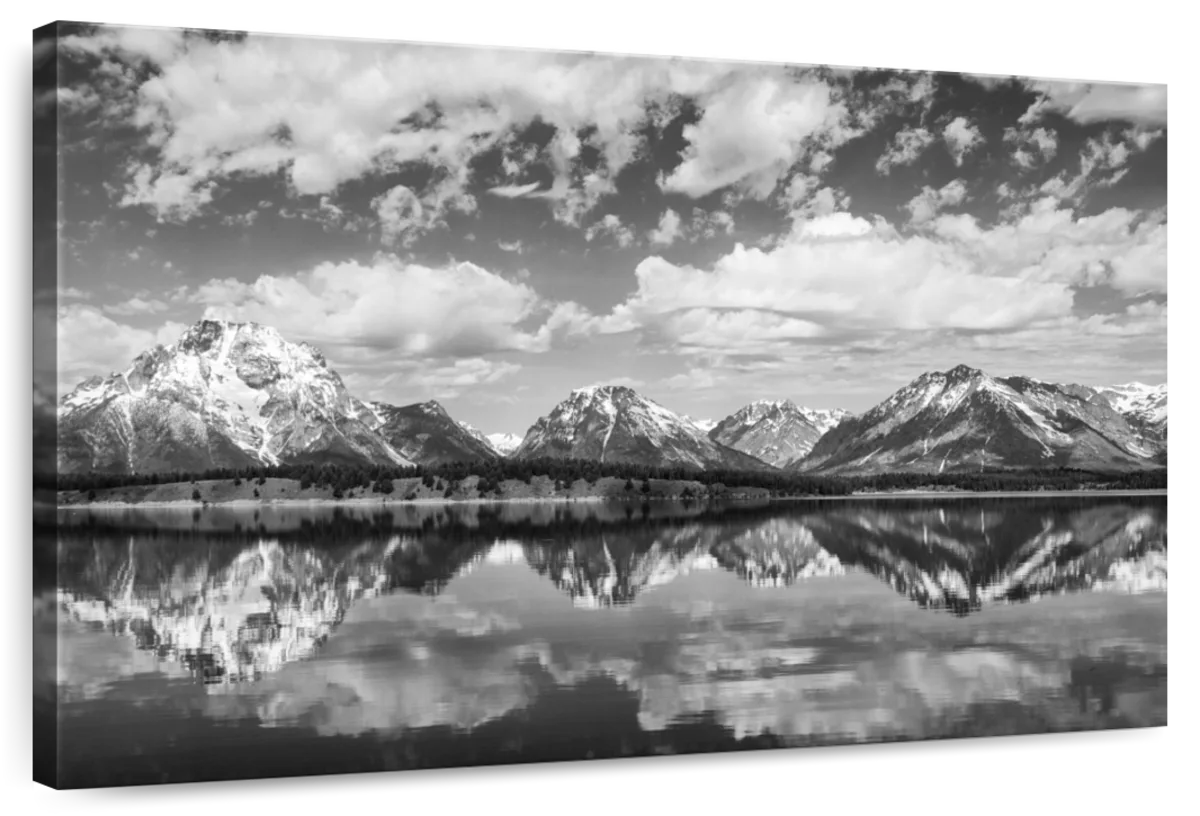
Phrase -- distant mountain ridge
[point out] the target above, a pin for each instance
(504, 443)
(966, 419)
(778, 432)
(616, 424)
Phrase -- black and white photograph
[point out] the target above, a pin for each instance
(402, 406)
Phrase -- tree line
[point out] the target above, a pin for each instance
(343, 478)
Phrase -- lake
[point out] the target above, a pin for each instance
(184, 644)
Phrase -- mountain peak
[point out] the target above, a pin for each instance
(590, 391)
(613, 423)
(963, 372)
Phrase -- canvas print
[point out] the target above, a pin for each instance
(403, 406)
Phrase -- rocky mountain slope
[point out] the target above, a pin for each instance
(1144, 408)
(504, 443)
(779, 433)
(224, 395)
(965, 419)
(424, 433)
(616, 424)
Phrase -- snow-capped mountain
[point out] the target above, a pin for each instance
(612, 423)
(427, 435)
(1143, 406)
(778, 432)
(504, 443)
(964, 418)
(705, 425)
(224, 395)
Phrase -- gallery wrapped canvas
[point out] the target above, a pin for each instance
(404, 406)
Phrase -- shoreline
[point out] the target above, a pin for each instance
(441, 502)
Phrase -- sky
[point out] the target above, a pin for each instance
(493, 228)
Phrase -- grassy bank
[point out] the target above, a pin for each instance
(538, 488)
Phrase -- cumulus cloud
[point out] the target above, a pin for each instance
(961, 137)
(839, 278)
(926, 204)
(905, 148)
(137, 305)
(837, 272)
(325, 113)
(611, 225)
(711, 224)
(1102, 163)
(1031, 146)
(387, 306)
(404, 216)
(669, 228)
(751, 132)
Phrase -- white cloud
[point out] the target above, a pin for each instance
(905, 148)
(611, 225)
(805, 200)
(512, 246)
(751, 132)
(137, 305)
(709, 225)
(839, 272)
(515, 190)
(388, 308)
(92, 343)
(404, 216)
(1101, 164)
(926, 204)
(451, 380)
(1051, 244)
(670, 227)
(324, 113)
(961, 138)
(1031, 146)
(627, 382)
(1098, 102)
(842, 276)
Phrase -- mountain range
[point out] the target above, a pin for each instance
(964, 418)
(238, 394)
(613, 423)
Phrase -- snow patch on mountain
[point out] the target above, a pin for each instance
(966, 418)
(777, 432)
(504, 443)
(616, 424)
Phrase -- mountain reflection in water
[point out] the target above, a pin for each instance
(485, 633)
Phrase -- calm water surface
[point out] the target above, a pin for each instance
(186, 645)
